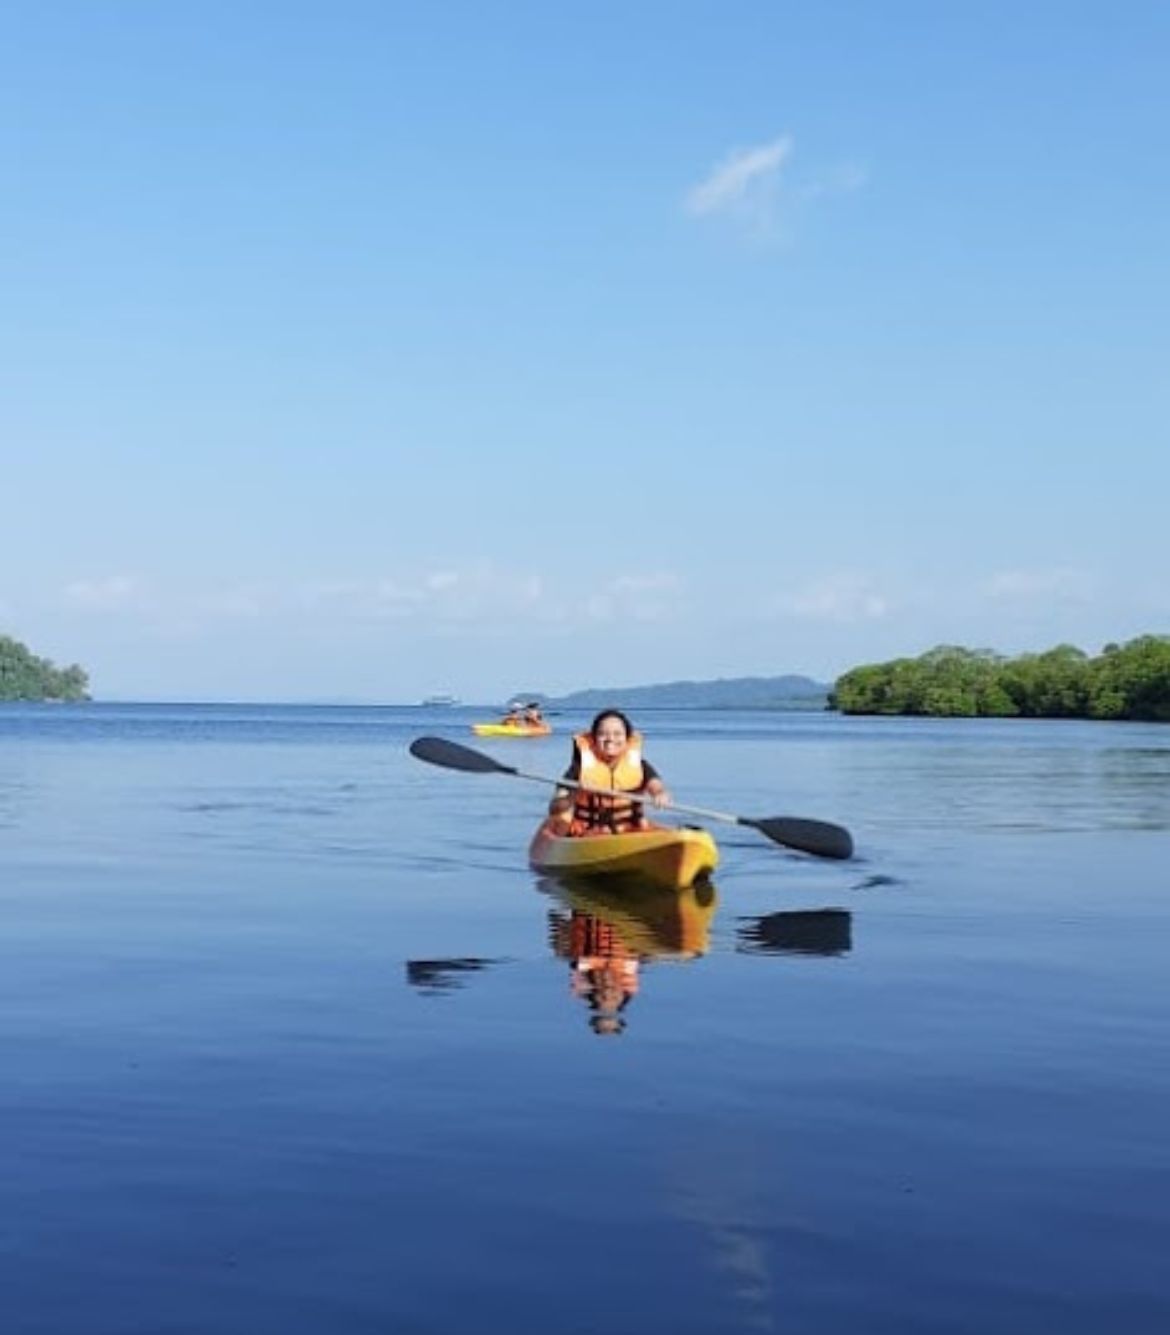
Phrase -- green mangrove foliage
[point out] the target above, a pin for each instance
(1127, 681)
(24, 676)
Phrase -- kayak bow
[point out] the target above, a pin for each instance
(674, 858)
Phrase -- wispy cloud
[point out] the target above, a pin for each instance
(636, 597)
(841, 180)
(242, 601)
(636, 585)
(1063, 583)
(740, 179)
(443, 596)
(111, 593)
(751, 186)
(324, 592)
(841, 597)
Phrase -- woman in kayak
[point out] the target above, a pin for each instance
(608, 756)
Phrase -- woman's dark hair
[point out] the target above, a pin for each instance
(611, 713)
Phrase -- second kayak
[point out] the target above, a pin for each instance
(511, 729)
(669, 857)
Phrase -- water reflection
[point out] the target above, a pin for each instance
(435, 977)
(806, 932)
(607, 932)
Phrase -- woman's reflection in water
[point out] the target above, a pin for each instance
(604, 970)
(607, 932)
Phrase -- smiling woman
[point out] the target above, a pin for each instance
(24, 676)
(608, 756)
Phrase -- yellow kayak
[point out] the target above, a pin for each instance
(674, 858)
(511, 729)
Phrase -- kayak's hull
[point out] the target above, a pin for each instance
(674, 858)
(511, 729)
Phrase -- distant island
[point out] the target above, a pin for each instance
(789, 692)
(1128, 681)
(24, 676)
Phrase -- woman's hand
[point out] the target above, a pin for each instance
(560, 813)
(658, 793)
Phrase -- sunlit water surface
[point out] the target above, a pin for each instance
(294, 1041)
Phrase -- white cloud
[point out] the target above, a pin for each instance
(357, 598)
(242, 600)
(841, 597)
(742, 175)
(598, 607)
(842, 180)
(1063, 583)
(442, 597)
(751, 186)
(637, 584)
(386, 595)
(448, 595)
(653, 596)
(322, 592)
(110, 594)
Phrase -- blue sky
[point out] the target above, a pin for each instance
(364, 351)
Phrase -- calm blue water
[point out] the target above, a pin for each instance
(293, 1041)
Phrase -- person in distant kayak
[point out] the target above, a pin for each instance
(608, 756)
(532, 714)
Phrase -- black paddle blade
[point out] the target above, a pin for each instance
(809, 836)
(439, 751)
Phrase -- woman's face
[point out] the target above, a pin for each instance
(610, 738)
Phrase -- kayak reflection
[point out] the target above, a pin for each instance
(607, 931)
(807, 932)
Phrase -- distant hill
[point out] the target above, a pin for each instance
(790, 692)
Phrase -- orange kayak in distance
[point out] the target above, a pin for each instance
(511, 729)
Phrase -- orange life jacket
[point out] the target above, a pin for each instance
(591, 811)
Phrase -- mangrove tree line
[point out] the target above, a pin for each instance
(24, 676)
(1124, 681)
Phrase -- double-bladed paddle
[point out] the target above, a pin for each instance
(818, 837)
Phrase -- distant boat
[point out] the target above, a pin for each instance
(441, 701)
